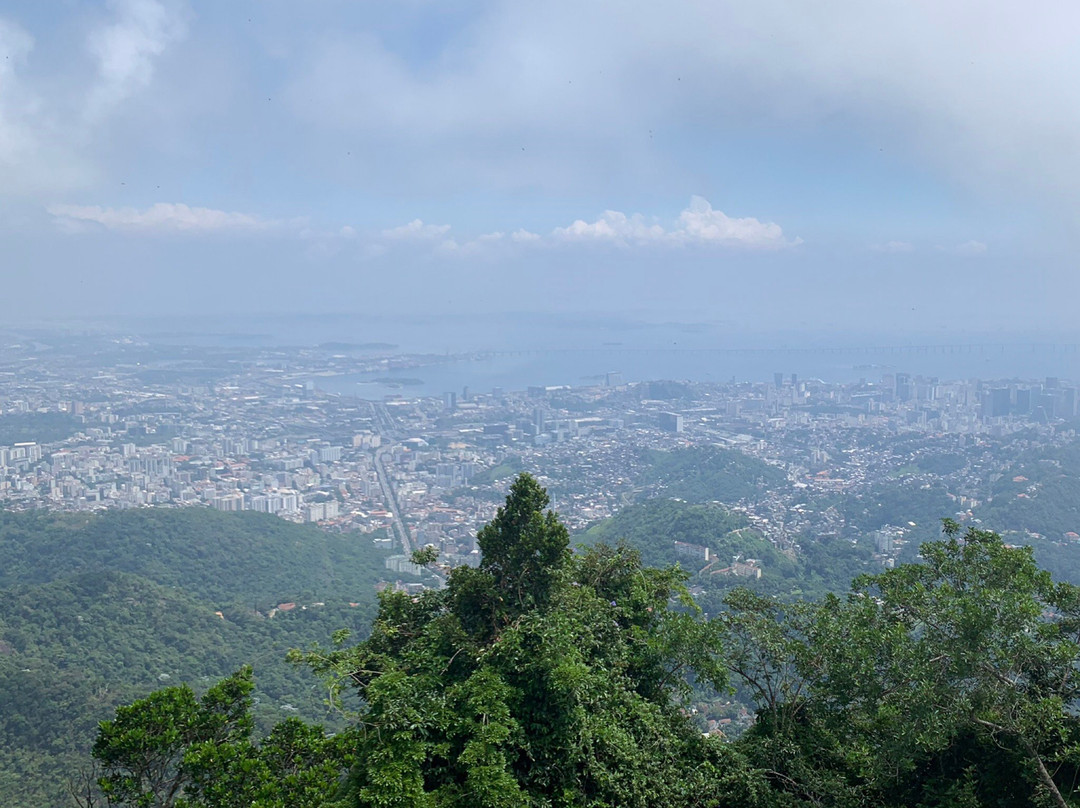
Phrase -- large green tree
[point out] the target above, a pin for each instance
(540, 678)
(950, 681)
(176, 750)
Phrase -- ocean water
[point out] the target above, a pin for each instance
(519, 370)
(516, 351)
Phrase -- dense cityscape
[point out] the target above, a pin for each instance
(115, 422)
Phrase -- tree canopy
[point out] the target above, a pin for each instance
(540, 678)
(548, 678)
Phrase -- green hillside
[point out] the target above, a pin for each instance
(710, 473)
(544, 677)
(652, 527)
(253, 559)
(96, 611)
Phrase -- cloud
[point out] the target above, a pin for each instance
(36, 155)
(162, 217)
(15, 46)
(125, 50)
(697, 224)
(993, 105)
(416, 230)
(967, 248)
(486, 243)
(894, 247)
(613, 226)
(51, 119)
(970, 248)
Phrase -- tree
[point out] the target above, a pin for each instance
(950, 679)
(141, 751)
(539, 678)
(174, 750)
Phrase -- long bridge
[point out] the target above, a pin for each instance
(979, 348)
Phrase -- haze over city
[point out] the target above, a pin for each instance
(903, 168)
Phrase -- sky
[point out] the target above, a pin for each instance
(834, 166)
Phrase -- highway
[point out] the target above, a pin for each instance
(388, 432)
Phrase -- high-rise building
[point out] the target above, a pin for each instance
(1068, 402)
(905, 389)
(1023, 401)
(1000, 402)
(329, 454)
(671, 422)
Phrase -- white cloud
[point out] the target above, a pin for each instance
(894, 247)
(35, 153)
(485, 243)
(582, 86)
(416, 230)
(613, 226)
(162, 217)
(50, 117)
(15, 46)
(125, 50)
(697, 224)
(970, 248)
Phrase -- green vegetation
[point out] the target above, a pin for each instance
(172, 749)
(952, 682)
(507, 468)
(652, 527)
(901, 503)
(711, 474)
(256, 560)
(544, 678)
(38, 427)
(1037, 502)
(1040, 493)
(96, 611)
(942, 464)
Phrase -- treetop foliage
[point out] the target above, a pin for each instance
(549, 679)
(540, 678)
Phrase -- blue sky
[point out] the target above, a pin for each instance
(837, 165)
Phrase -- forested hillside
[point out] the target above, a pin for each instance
(654, 526)
(98, 610)
(709, 473)
(551, 678)
(252, 559)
